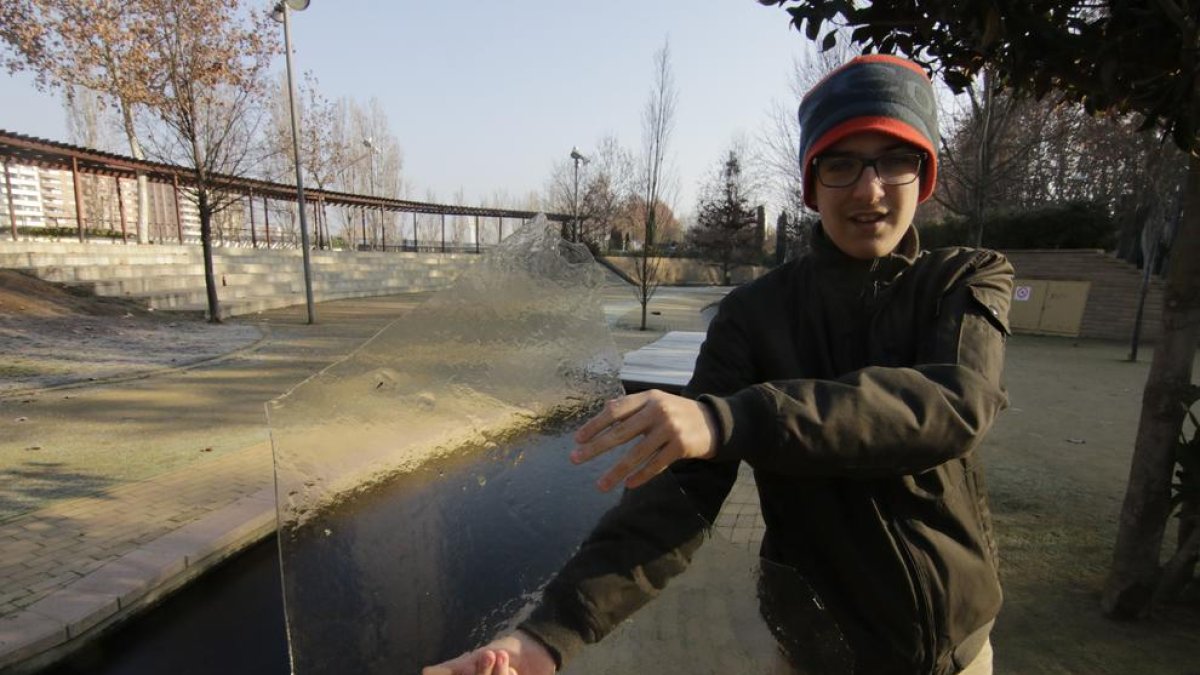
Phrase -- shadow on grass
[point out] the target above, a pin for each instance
(31, 484)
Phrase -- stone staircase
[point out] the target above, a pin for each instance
(1113, 295)
(250, 280)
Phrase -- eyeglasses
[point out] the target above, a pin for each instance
(839, 171)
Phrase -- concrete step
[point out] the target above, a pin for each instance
(228, 294)
(17, 259)
(144, 284)
(91, 273)
(144, 287)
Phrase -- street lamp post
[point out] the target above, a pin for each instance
(371, 150)
(578, 157)
(280, 14)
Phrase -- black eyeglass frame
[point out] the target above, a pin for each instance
(872, 162)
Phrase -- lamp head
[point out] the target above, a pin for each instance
(284, 5)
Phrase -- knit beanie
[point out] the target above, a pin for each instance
(874, 92)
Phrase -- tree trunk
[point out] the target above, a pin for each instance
(1148, 264)
(1135, 571)
(984, 159)
(210, 277)
(1178, 571)
(143, 184)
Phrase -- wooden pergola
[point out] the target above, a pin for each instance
(26, 150)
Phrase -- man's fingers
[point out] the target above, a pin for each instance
(617, 433)
(638, 455)
(614, 411)
(484, 662)
(657, 463)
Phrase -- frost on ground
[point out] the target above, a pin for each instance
(51, 335)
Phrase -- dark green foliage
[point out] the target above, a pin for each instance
(1180, 572)
(1120, 56)
(1185, 492)
(726, 227)
(1069, 225)
(67, 232)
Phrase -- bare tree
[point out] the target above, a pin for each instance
(605, 187)
(380, 169)
(658, 121)
(105, 46)
(777, 155)
(89, 124)
(988, 148)
(212, 58)
(325, 149)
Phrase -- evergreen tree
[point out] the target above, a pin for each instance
(726, 227)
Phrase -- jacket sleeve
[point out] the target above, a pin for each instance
(652, 533)
(885, 420)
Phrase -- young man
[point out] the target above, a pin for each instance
(857, 381)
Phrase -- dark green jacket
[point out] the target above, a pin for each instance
(857, 390)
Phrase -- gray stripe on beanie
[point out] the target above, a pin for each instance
(869, 89)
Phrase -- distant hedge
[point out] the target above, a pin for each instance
(1065, 225)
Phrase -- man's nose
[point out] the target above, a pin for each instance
(868, 185)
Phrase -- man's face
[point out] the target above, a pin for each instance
(867, 219)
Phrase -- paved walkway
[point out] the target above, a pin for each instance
(115, 494)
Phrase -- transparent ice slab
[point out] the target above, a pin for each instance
(426, 497)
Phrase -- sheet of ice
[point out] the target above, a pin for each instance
(426, 497)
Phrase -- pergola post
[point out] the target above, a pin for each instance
(250, 205)
(178, 212)
(12, 215)
(78, 198)
(267, 220)
(364, 228)
(121, 209)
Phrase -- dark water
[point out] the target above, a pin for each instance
(438, 560)
(230, 622)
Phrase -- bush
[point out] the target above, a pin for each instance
(1065, 225)
(70, 232)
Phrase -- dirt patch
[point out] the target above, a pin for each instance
(1057, 465)
(25, 295)
(52, 335)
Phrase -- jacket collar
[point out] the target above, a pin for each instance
(851, 274)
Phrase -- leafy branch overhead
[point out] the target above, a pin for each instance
(1120, 56)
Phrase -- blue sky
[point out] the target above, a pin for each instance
(487, 96)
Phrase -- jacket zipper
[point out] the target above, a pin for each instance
(923, 606)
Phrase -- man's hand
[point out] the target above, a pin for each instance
(515, 654)
(670, 427)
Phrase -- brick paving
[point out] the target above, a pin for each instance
(52, 547)
(740, 520)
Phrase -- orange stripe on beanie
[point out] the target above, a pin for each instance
(875, 92)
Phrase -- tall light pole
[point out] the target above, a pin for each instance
(578, 157)
(280, 13)
(371, 150)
